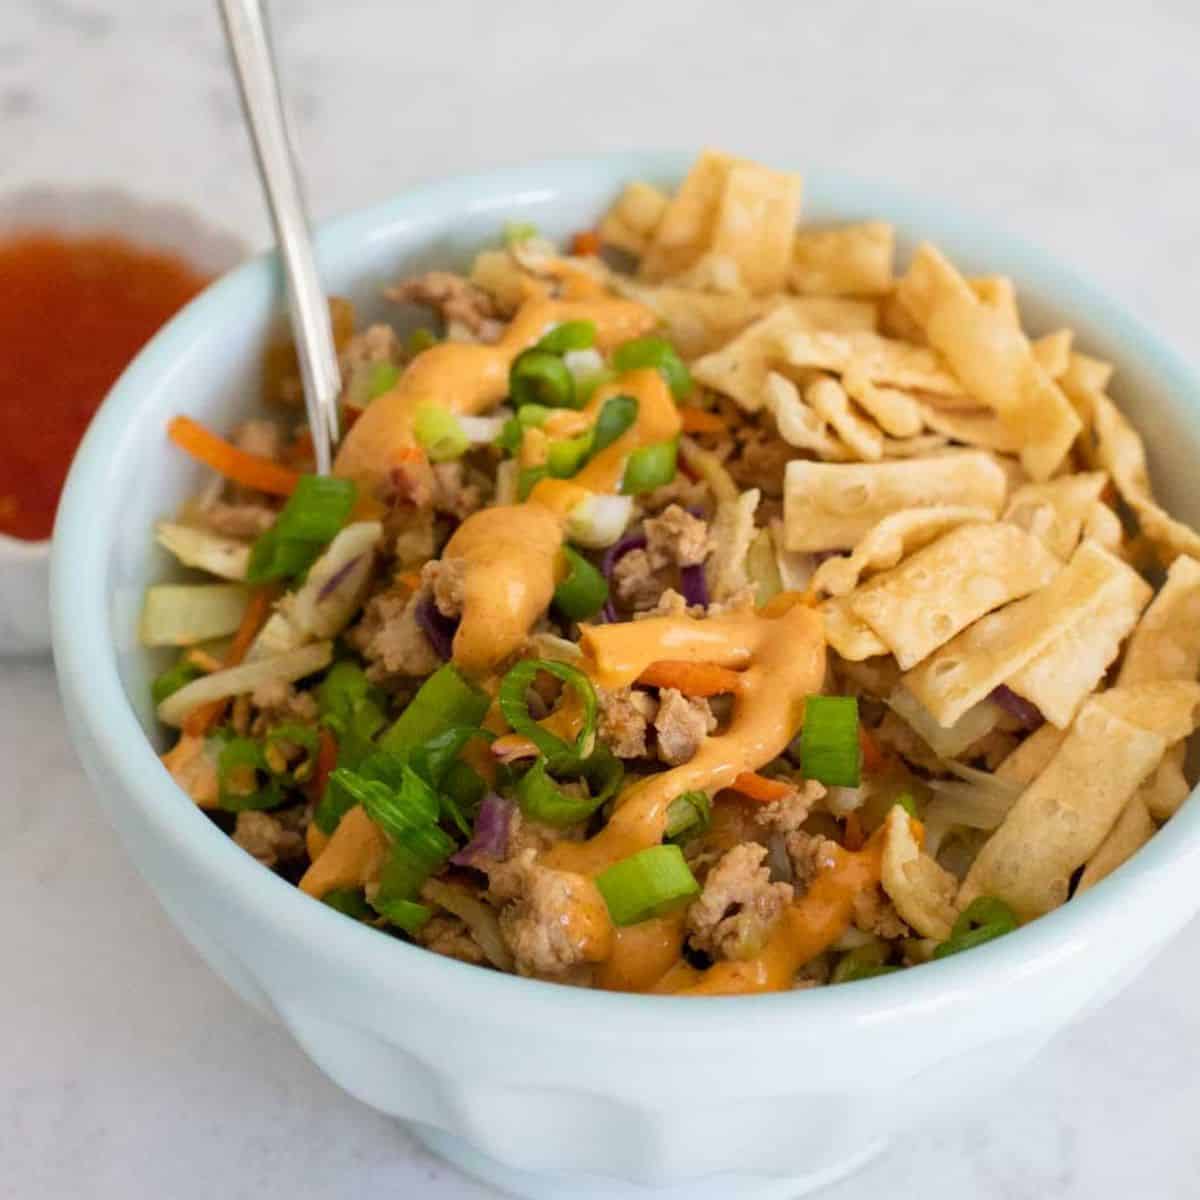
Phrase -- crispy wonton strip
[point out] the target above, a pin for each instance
(1168, 787)
(1061, 819)
(896, 412)
(828, 399)
(973, 427)
(994, 649)
(922, 891)
(1166, 643)
(798, 424)
(1133, 829)
(1029, 759)
(879, 359)
(886, 543)
(833, 506)
(855, 260)
(1053, 352)
(992, 358)
(630, 223)
(1056, 511)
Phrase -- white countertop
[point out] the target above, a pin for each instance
(126, 1068)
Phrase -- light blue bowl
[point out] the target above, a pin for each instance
(538, 1087)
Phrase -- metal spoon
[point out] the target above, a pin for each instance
(254, 64)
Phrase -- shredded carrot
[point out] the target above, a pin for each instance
(875, 759)
(692, 679)
(247, 469)
(759, 787)
(586, 242)
(700, 420)
(411, 580)
(512, 746)
(203, 660)
(204, 716)
(327, 752)
(855, 837)
(413, 454)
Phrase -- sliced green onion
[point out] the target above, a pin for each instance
(528, 479)
(444, 700)
(314, 513)
(537, 377)
(617, 415)
(864, 962)
(349, 901)
(589, 371)
(647, 884)
(528, 416)
(440, 434)
(291, 733)
(172, 679)
(829, 748)
(650, 467)
(382, 379)
(464, 786)
(688, 816)
(244, 781)
(515, 707)
(570, 335)
(659, 353)
(588, 785)
(583, 592)
(405, 914)
(906, 802)
(353, 709)
(565, 457)
(985, 918)
(419, 341)
(516, 232)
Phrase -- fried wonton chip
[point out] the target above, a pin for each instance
(1120, 452)
(630, 223)
(920, 446)
(827, 398)
(1061, 819)
(852, 638)
(885, 544)
(922, 891)
(1104, 527)
(1029, 759)
(731, 534)
(1168, 787)
(1053, 352)
(879, 359)
(995, 648)
(1068, 670)
(1169, 707)
(503, 278)
(1133, 829)
(896, 412)
(975, 568)
(695, 322)
(975, 427)
(1166, 645)
(1086, 373)
(798, 424)
(728, 216)
(832, 506)
(999, 294)
(855, 260)
(992, 358)
(1055, 512)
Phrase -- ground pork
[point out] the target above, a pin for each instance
(680, 725)
(734, 915)
(738, 601)
(624, 720)
(634, 582)
(455, 299)
(788, 813)
(390, 639)
(446, 577)
(690, 493)
(375, 344)
(276, 702)
(410, 533)
(552, 921)
(243, 520)
(671, 604)
(452, 493)
(761, 461)
(449, 935)
(811, 853)
(272, 838)
(525, 834)
(676, 538)
(875, 913)
(259, 437)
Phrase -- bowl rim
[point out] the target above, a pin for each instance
(84, 650)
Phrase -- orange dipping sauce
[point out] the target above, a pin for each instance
(73, 312)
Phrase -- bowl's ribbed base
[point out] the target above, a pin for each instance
(558, 1185)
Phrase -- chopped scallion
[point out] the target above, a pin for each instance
(382, 379)
(829, 747)
(584, 590)
(688, 816)
(173, 678)
(617, 415)
(310, 519)
(582, 790)
(647, 884)
(650, 467)
(570, 335)
(444, 700)
(537, 377)
(659, 353)
(440, 434)
(515, 707)
(244, 781)
(984, 919)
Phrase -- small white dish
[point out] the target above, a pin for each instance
(24, 565)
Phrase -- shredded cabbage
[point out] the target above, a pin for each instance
(478, 917)
(224, 557)
(944, 741)
(181, 614)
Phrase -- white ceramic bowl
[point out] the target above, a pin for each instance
(25, 566)
(547, 1090)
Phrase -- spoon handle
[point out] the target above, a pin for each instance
(254, 65)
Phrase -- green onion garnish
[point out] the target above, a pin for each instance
(382, 379)
(537, 377)
(650, 467)
(244, 781)
(985, 918)
(405, 914)
(688, 816)
(570, 335)
(291, 733)
(528, 478)
(583, 592)
(864, 962)
(349, 901)
(655, 352)
(314, 513)
(588, 785)
(515, 707)
(173, 678)
(444, 700)
(829, 746)
(516, 232)
(565, 457)
(647, 884)
(440, 434)
(906, 802)
(617, 415)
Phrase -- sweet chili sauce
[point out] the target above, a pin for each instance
(73, 312)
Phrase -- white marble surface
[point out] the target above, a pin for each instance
(126, 1068)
